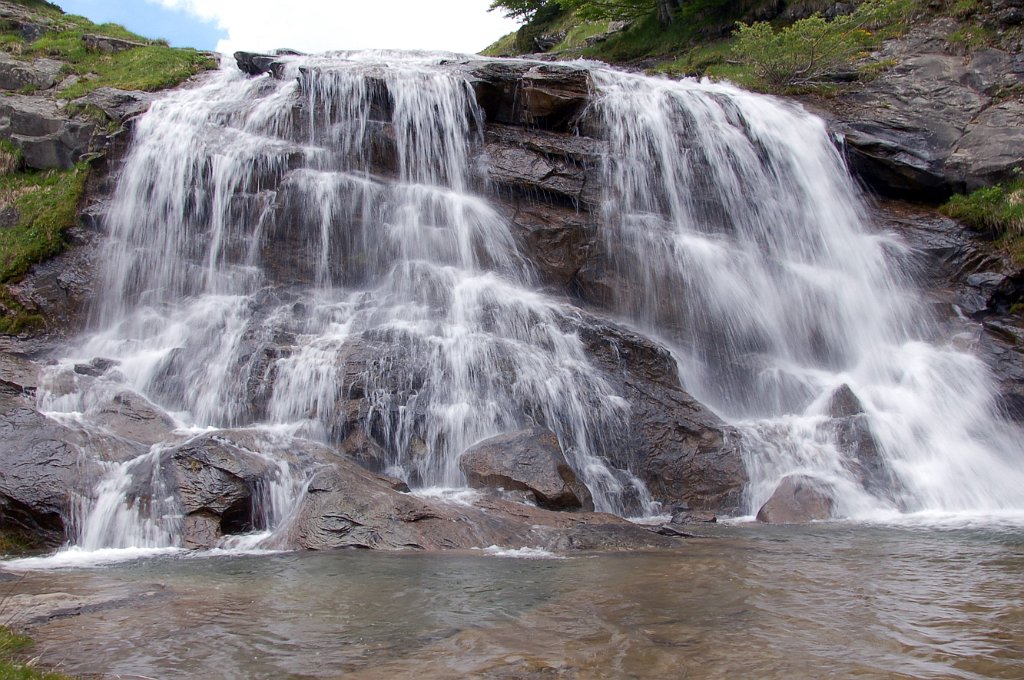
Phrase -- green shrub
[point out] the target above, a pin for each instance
(810, 50)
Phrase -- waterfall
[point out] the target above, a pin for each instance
(277, 245)
(746, 246)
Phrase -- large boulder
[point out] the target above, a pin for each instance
(680, 449)
(44, 470)
(38, 74)
(530, 461)
(797, 499)
(46, 137)
(546, 96)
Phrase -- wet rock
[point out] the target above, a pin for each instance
(530, 461)
(61, 288)
(215, 480)
(43, 471)
(133, 417)
(844, 402)
(797, 499)
(349, 507)
(543, 164)
(255, 64)
(682, 451)
(38, 74)
(694, 517)
(547, 96)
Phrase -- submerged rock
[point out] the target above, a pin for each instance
(530, 461)
(796, 500)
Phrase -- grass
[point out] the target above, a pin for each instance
(12, 648)
(45, 205)
(150, 66)
(997, 211)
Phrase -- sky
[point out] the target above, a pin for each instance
(307, 25)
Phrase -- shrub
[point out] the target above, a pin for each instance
(998, 210)
(808, 51)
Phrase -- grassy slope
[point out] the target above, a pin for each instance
(44, 204)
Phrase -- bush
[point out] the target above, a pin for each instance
(998, 210)
(810, 50)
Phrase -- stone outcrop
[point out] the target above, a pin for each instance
(531, 461)
(797, 499)
(938, 122)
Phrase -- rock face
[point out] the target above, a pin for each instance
(530, 461)
(43, 471)
(937, 122)
(798, 499)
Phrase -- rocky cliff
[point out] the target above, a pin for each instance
(544, 175)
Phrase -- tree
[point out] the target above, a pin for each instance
(523, 10)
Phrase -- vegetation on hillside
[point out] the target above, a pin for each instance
(746, 41)
(38, 207)
(152, 65)
(996, 211)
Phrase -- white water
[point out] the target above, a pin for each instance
(743, 243)
(750, 251)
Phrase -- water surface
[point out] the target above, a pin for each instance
(832, 600)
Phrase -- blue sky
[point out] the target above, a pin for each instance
(308, 25)
(178, 26)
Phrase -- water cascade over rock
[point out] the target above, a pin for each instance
(387, 259)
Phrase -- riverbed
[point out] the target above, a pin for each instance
(741, 601)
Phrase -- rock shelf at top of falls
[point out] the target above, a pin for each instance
(324, 279)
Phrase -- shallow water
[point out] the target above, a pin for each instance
(831, 600)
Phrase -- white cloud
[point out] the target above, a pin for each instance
(321, 25)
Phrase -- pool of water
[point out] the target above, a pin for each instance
(746, 601)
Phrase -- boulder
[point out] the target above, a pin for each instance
(38, 74)
(796, 500)
(215, 479)
(104, 43)
(47, 138)
(679, 448)
(255, 64)
(43, 471)
(118, 105)
(936, 123)
(530, 461)
(133, 417)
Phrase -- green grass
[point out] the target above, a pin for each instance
(997, 211)
(47, 204)
(12, 647)
(151, 66)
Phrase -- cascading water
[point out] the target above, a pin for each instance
(265, 231)
(745, 246)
